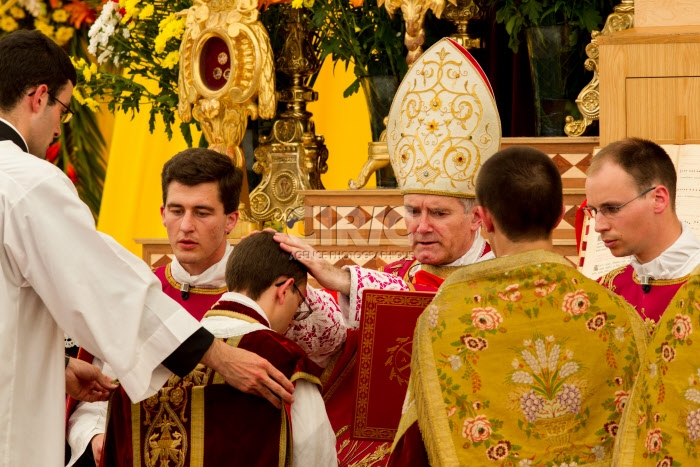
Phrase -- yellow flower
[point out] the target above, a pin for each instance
(17, 13)
(87, 74)
(159, 43)
(44, 28)
(8, 23)
(60, 15)
(170, 28)
(78, 96)
(432, 126)
(297, 3)
(172, 59)
(308, 3)
(92, 104)
(146, 12)
(63, 35)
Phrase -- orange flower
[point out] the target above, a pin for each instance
(80, 12)
(357, 3)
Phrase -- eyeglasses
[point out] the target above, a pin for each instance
(612, 211)
(66, 115)
(304, 310)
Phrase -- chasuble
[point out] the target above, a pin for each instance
(199, 420)
(519, 361)
(662, 424)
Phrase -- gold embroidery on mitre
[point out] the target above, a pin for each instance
(443, 124)
(427, 174)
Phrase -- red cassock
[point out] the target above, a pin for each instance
(200, 420)
(199, 300)
(651, 304)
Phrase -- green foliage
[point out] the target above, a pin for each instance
(581, 15)
(137, 74)
(364, 36)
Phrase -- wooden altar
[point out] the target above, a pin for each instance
(367, 227)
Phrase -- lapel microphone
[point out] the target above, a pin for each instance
(185, 291)
(646, 286)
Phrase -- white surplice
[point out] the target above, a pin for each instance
(59, 274)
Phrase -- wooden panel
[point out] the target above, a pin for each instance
(632, 54)
(652, 35)
(654, 105)
(666, 13)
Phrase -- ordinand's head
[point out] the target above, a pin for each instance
(36, 81)
(201, 190)
(631, 191)
(259, 269)
(519, 191)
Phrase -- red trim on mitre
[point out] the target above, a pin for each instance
(474, 63)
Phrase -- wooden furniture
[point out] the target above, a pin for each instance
(649, 13)
(650, 84)
(367, 227)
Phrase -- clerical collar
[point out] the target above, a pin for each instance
(677, 261)
(8, 132)
(212, 278)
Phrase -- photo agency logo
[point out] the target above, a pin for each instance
(357, 226)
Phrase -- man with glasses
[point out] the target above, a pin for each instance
(631, 192)
(200, 419)
(521, 360)
(57, 273)
(201, 190)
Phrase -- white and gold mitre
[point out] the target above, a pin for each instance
(443, 123)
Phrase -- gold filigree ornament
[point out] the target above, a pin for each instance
(165, 442)
(292, 157)
(222, 96)
(588, 100)
(413, 12)
(443, 123)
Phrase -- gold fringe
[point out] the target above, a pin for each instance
(136, 433)
(430, 406)
(197, 427)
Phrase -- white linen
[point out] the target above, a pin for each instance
(312, 435)
(677, 261)
(213, 278)
(57, 274)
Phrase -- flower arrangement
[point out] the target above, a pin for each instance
(142, 38)
(79, 150)
(360, 32)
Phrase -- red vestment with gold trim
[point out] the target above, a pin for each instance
(200, 420)
(649, 305)
(200, 299)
